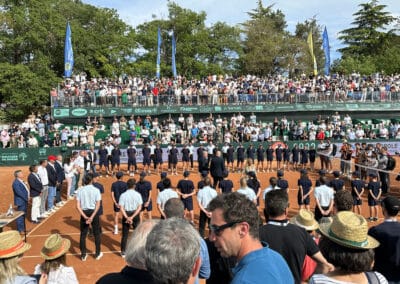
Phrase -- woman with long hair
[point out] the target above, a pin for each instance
(54, 265)
(12, 248)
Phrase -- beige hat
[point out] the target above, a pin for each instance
(12, 244)
(349, 230)
(54, 247)
(305, 219)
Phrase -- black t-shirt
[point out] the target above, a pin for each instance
(292, 242)
(336, 184)
(226, 185)
(387, 255)
(127, 275)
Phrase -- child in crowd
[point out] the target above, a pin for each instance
(357, 190)
(305, 190)
(374, 194)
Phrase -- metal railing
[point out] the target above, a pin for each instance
(90, 100)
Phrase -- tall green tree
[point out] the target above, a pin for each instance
(265, 41)
(368, 34)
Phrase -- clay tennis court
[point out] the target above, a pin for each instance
(66, 221)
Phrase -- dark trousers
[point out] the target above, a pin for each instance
(384, 178)
(203, 220)
(216, 181)
(191, 161)
(126, 227)
(85, 229)
(21, 220)
(58, 192)
(318, 213)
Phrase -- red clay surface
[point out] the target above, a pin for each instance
(66, 221)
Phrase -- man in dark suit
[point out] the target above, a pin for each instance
(92, 158)
(203, 162)
(21, 197)
(217, 168)
(52, 175)
(36, 187)
(60, 179)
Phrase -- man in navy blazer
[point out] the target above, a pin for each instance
(217, 168)
(21, 197)
(36, 187)
(60, 178)
(52, 175)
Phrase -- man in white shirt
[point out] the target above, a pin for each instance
(166, 194)
(42, 172)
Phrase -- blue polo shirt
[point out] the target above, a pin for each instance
(262, 266)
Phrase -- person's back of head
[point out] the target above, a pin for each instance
(166, 183)
(173, 252)
(135, 249)
(276, 203)
(174, 208)
(343, 200)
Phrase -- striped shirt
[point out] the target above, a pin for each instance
(323, 279)
(130, 200)
(88, 196)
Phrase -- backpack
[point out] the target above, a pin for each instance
(334, 150)
(391, 163)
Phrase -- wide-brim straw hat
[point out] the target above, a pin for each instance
(12, 244)
(54, 247)
(349, 230)
(306, 220)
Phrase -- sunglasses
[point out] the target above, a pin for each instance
(217, 230)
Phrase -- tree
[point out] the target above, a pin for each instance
(367, 36)
(303, 57)
(265, 44)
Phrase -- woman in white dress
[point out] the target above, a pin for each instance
(54, 265)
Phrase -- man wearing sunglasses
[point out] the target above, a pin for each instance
(234, 230)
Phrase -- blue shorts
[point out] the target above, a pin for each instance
(148, 208)
(372, 202)
(188, 203)
(357, 201)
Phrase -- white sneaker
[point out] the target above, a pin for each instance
(99, 256)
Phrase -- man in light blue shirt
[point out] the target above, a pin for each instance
(130, 203)
(204, 196)
(88, 203)
(234, 229)
(165, 195)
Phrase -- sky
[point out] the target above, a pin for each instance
(336, 15)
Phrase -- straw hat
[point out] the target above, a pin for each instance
(12, 244)
(349, 230)
(306, 220)
(54, 247)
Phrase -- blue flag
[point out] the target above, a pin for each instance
(173, 56)
(68, 53)
(159, 40)
(325, 46)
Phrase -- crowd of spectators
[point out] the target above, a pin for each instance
(43, 131)
(215, 90)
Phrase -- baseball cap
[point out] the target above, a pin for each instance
(96, 175)
(143, 174)
(336, 174)
(163, 175)
(186, 173)
(392, 205)
(280, 173)
(119, 174)
(373, 175)
(204, 173)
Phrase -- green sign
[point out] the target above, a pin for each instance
(166, 109)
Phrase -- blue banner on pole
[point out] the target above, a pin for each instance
(159, 40)
(173, 56)
(68, 53)
(325, 46)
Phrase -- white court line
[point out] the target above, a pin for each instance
(66, 234)
(75, 254)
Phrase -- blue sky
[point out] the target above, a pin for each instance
(336, 15)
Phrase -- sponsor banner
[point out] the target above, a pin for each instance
(166, 109)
